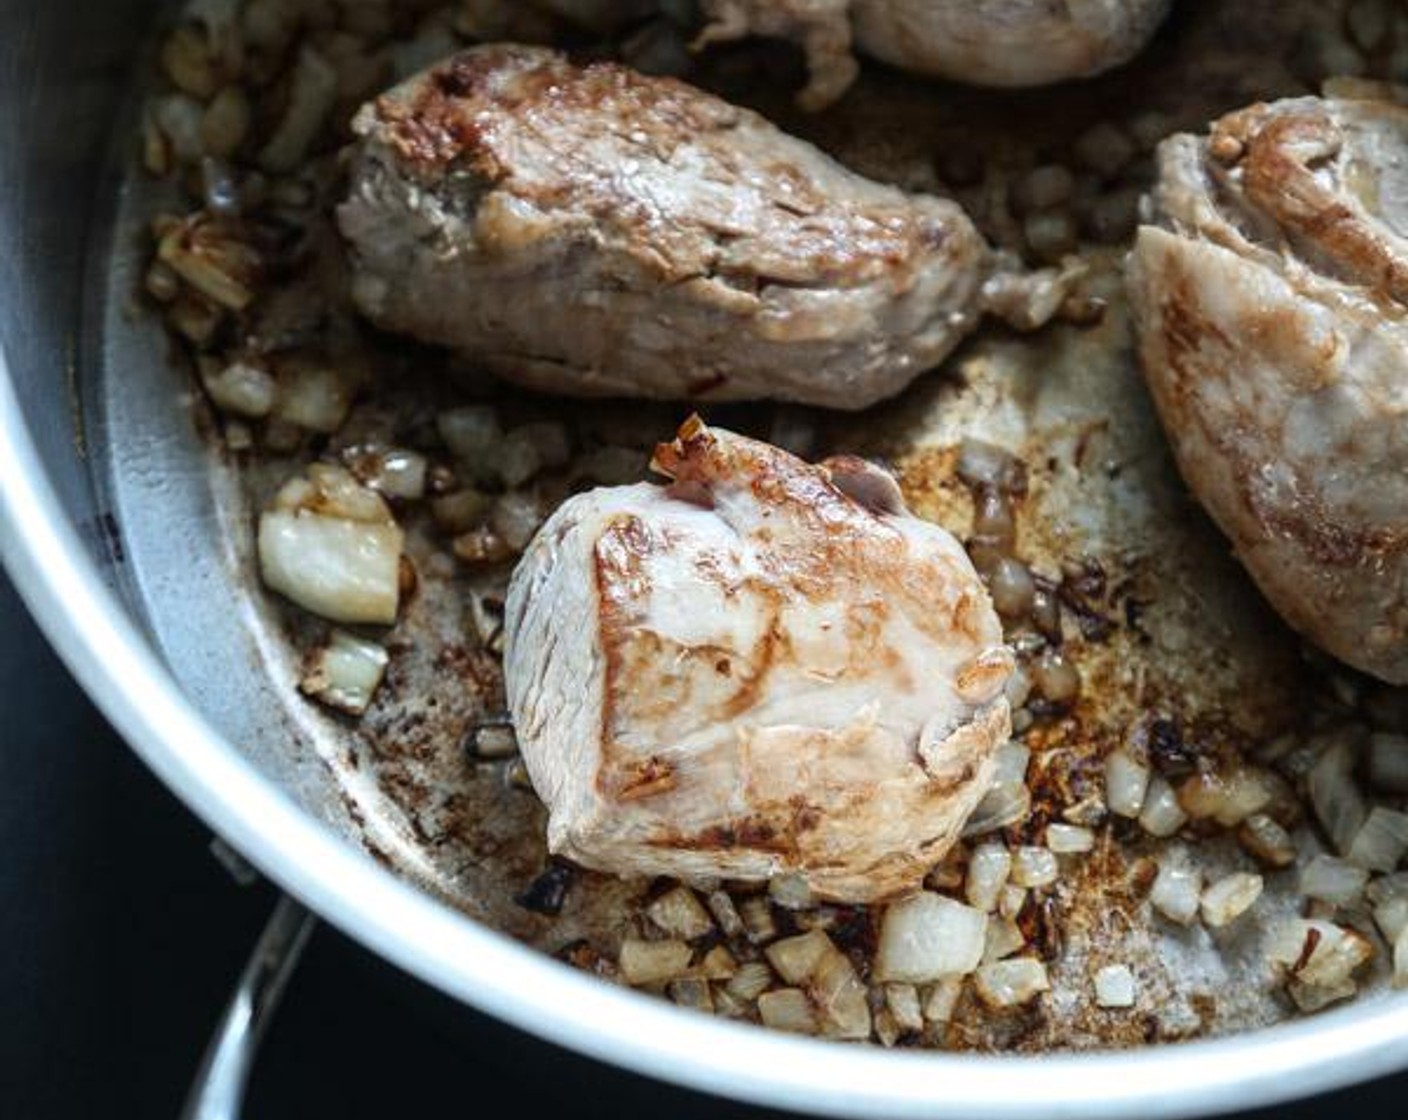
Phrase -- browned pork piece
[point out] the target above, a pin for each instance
(761, 668)
(1271, 290)
(593, 231)
(986, 42)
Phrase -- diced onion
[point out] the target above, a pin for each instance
(345, 673)
(679, 913)
(652, 962)
(1001, 806)
(928, 936)
(1175, 893)
(1003, 938)
(1229, 898)
(345, 571)
(751, 980)
(516, 518)
(471, 433)
(1336, 799)
(1011, 983)
(1333, 880)
(1011, 901)
(725, 913)
(988, 869)
(331, 546)
(718, 964)
(691, 991)
(240, 388)
(942, 999)
(758, 922)
(812, 962)
(790, 891)
(1400, 959)
(902, 1001)
(1114, 987)
(788, 1009)
(314, 395)
(312, 95)
(1228, 798)
(1319, 954)
(1382, 840)
(1391, 916)
(1069, 838)
(1034, 866)
(1126, 784)
(1388, 762)
(1267, 841)
(1162, 815)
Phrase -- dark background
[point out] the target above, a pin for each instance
(120, 936)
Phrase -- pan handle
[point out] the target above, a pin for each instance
(218, 1090)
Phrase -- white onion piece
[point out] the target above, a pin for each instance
(345, 673)
(1229, 898)
(1267, 841)
(1175, 893)
(472, 433)
(1126, 784)
(1400, 960)
(1011, 901)
(1228, 798)
(652, 962)
(790, 891)
(942, 999)
(1388, 762)
(751, 980)
(331, 546)
(1336, 799)
(1162, 815)
(312, 95)
(240, 389)
(516, 518)
(1010, 762)
(725, 913)
(1382, 840)
(314, 396)
(1114, 987)
(788, 1009)
(345, 571)
(718, 964)
(679, 913)
(902, 1001)
(1333, 880)
(810, 961)
(1001, 806)
(928, 936)
(988, 869)
(399, 474)
(1067, 839)
(1319, 954)
(1003, 938)
(1391, 916)
(1033, 866)
(1011, 983)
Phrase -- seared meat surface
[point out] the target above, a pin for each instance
(593, 231)
(764, 667)
(1271, 291)
(985, 42)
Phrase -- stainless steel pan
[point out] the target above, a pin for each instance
(111, 530)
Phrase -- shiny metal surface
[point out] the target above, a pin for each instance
(218, 1090)
(62, 68)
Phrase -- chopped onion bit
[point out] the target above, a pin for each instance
(1066, 839)
(1114, 986)
(1175, 893)
(345, 673)
(811, 962)
(1382, 840)
(1162, 815)
(1333, 880)
(928, 936)
(652, 962)
(988, 869)
(679, 913)
(1034, 867)
(1126, 784)
(331, 545)
(1229, 898)
(1011, 983)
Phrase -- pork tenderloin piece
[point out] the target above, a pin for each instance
(764, 667)
(1271, 294)
(593, 231)
(984, 42)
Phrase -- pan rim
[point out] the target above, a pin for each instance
(98, 641)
